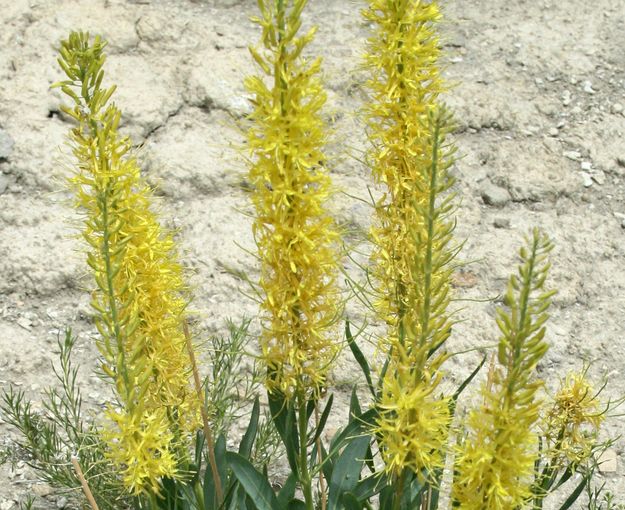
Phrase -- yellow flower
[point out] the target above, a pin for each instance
(141, 445)
(413, 424)
(140, 295)
(495, 460)
(412, 234)
(296, 238)
(573, 422)
(495, 466)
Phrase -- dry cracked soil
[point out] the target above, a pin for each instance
(540, 104)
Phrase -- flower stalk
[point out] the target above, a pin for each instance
(296, 239)
(495, 463)
(412, 235)
(140, 296)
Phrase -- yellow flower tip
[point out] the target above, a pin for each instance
(413, 426)
(141, 445)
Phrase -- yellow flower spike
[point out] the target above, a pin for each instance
(412, 234)
(495, 460)
(141, 444)
(573, 422)
(296, 239)
(140, 295)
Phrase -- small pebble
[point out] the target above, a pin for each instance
(573, 155)
(553, 131)
(608, 462)
(494, 195)
(617, 108)
(586, 179)
(598, 177)
(566, 98)
(6, 145)
(587, 87)
(586, 166)
(61, 502)
(501, 223)
(4, 183)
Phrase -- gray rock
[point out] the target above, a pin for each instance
(501, 222)
(6, 145)
(617, 108)
(494, 195)
(586, 179)
(566, 98)
(598, 176)
(586, 166)
(4, 183)
(572, 155)
(587, 87)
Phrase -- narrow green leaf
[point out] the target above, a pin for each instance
(350, 502)
(370, 486)
(296, 504)
(323, 418)
(354, 404)
(255, 484)
(464, 384)
(287, 492)
(359, 357)
(347, 470)
(210, 494)
(575, 494)
(245, 448)
(283, 416)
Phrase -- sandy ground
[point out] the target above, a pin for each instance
(540, 102)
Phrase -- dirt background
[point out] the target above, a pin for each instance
(540, 102)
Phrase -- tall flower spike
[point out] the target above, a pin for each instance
(140, 295)
(412, 234)
(296, 238)
(495, 460)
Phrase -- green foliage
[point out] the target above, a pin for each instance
(514, 449)
(50, 439)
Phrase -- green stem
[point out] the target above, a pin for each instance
(106, 255)
(304, 474)
(153, 501)
(520, 335)
(399, 491)
(427, 284)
